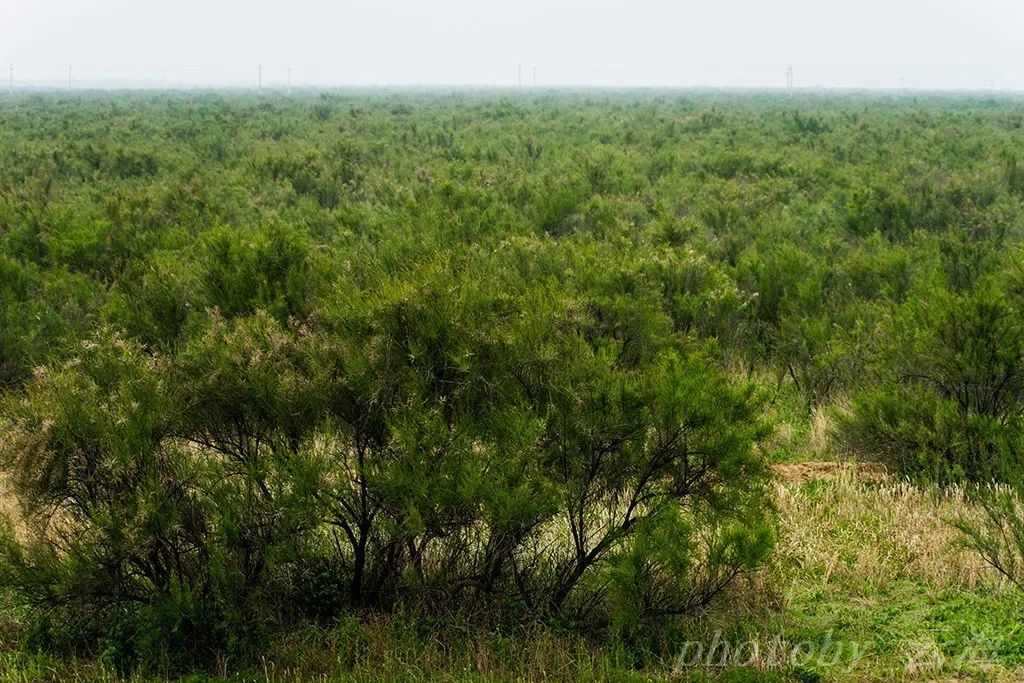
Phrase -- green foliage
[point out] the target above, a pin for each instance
(273, 269)
(949, 404)
(435, 437)
(272, 360)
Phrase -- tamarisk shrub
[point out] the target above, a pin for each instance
(453, 435)
(949, 400)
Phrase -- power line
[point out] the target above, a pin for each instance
(845, 77)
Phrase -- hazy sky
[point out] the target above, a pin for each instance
(855, 43)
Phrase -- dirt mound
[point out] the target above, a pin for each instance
(799, 472)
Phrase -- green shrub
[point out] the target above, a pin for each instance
(949, 403)
(435, 439)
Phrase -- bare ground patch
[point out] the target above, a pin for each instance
(800, 472)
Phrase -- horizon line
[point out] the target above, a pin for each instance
(276, 88)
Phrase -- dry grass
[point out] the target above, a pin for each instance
(798, 436)
(860, 526)
(874, 560)
(821, 434)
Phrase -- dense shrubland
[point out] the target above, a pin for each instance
(272, 361)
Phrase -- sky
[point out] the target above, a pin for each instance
(941, 44)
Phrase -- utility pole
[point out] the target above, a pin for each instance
(789, 81)
(520, 81)
(69, 77)
(259, 77)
